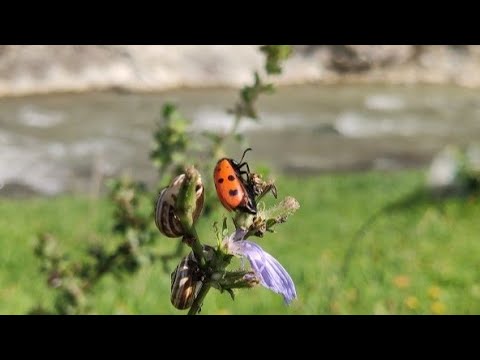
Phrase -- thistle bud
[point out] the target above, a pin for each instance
(266, 219)
(262, 187)
(186, 283)
(239, 279)
(166, 216)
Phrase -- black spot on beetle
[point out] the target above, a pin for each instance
(233, 192)
(220, 180)
(231, 177)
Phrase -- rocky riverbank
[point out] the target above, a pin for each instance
(41, 69)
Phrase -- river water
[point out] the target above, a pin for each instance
(57, 143)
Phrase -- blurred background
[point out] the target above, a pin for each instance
(379, 144)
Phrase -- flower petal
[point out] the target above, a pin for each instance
(272, 274)
(238, 235)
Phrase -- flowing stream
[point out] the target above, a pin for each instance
(57, 143)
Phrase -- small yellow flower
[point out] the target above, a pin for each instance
(122, 309)
(434, 292)
(475, 291)
(335, 307)
(411, 302)
(223, 312)
(352, 295)
(380, 309)
(438, 308)
(326, 255)
(401, 281)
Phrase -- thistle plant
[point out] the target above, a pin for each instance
(174, 143)
(74, 279)
(177, 209)
(208, 267)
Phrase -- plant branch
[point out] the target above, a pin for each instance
(198, 302)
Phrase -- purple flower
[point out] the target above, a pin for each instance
(271, 273)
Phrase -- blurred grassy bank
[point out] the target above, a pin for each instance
(420, 258)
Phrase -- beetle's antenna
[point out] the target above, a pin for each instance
(244, 154)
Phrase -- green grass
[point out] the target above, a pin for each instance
(419, 258)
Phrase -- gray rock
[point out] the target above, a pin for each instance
(455, 170)
(354, 58)
(444, 169)
(30, 69)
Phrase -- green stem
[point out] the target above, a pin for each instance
(196, 246)
(238, 118)
(106, 266)
(218, 146)
(197, 303)
(186, 204)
